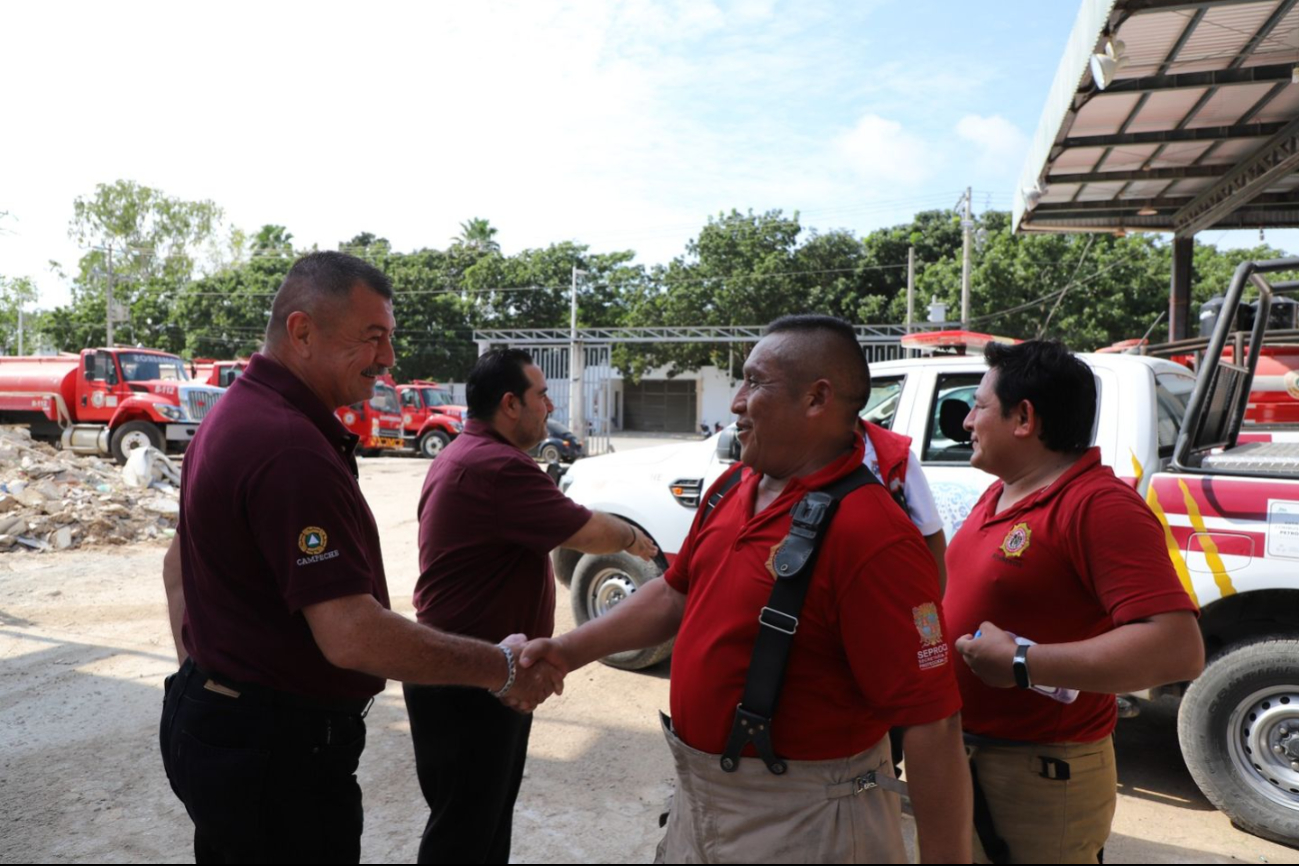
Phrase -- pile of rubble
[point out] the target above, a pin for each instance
(56, 500)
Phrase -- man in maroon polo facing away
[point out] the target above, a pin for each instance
(488, 519)
(277, 595)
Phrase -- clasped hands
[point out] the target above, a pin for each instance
(539, 672)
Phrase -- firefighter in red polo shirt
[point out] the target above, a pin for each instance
(1063, 553)
(866, 651)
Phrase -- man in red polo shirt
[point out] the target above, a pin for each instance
(867, 651)
(1063, 553)
(488, 519)
(277, 595)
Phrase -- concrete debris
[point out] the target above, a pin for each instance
(54, 500)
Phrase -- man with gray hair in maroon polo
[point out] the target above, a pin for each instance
(277, 595)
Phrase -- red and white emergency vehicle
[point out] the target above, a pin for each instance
(1226, 490)
(430, 416)
(376, 421)
(219, 373)
(105, 401)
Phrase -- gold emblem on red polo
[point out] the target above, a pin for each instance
(771, 559)
(1016, 541)
(312, 540)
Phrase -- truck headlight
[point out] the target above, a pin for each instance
(457, 426)
(171, 413)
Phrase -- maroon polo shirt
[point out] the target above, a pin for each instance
(488, 519)
(272, 520)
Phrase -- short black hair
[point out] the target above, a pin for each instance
(319, 278)
(496, 373)
(853, 372)
(1061, 388)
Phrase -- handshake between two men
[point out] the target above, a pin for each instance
(538, 666)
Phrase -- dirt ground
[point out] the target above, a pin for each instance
(84, 647)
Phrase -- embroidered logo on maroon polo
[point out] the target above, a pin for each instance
(312, 540)
(1016, 541)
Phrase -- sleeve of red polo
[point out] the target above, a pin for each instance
(531, 512)
(904, 672)
(302, 512)
(1119, 547)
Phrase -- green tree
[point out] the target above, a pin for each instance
(18, 293)
(147, 243)
(478, 234)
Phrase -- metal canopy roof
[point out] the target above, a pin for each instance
(1199, 127)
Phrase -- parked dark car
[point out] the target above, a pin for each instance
(560, 446)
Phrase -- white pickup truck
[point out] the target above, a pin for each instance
(1227, 497)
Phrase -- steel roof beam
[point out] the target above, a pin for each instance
(1176, 136)
(1146, 7)
(1164, 204)
(1137, 175)
(1244, 183)
(1196, 80)
(703, 334)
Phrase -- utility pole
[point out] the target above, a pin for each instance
(576, 369)
(911, 288)
(20, 328)
(109, 294)
(967, 226)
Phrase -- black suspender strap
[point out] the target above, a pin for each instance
(794, 563)
(722, 489)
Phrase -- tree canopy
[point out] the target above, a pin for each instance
(201, 289)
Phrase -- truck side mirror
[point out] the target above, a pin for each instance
(88, 362)
(728, 445)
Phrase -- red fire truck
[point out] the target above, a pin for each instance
(430, 417)
(377, 420)
(105, 401)
(219, 373)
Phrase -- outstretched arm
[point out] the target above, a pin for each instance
(647, 618)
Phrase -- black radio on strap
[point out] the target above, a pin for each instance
(794, 563)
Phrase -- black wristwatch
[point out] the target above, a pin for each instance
(1020, 667)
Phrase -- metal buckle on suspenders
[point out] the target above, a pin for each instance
(793, 564)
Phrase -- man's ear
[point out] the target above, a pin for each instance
(819, 395)
(509, 405)
(300, 332)
(1027, 422)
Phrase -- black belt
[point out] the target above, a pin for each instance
(265, 695)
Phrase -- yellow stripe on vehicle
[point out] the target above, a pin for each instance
(1225, 586)
(1174, 553)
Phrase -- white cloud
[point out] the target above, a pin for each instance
(882, 152)
(999, 143)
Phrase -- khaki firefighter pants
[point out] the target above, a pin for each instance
(1048, 820)
(815, 813)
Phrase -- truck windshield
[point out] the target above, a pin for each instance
(141, 367)
(435, 397)
(385, 399)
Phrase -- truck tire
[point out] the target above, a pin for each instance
(133, 435)
(602, 581)
(432, 443)
(1239, 730)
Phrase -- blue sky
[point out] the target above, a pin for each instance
(622, 125)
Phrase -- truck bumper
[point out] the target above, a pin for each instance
(180, 432)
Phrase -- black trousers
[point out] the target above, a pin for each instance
(469, 754)
(263, 783)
